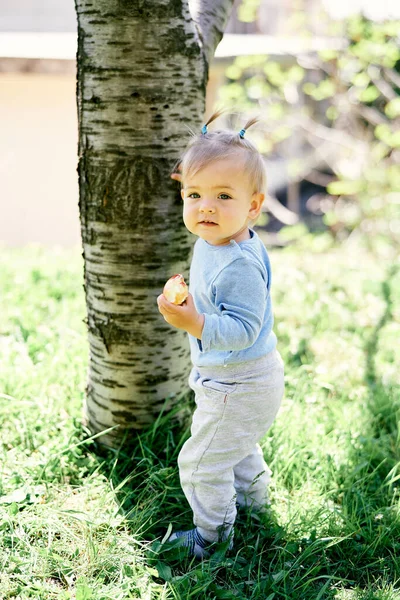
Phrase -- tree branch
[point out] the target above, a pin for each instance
(318, 178)
(283, 214)
(370, 114)
(383, 86)
(211, 17)
(335, 136)
(393, 76)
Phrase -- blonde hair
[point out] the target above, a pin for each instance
(208, 147)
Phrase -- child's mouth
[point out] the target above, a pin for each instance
(207, 223)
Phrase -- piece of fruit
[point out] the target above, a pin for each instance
(176, 290)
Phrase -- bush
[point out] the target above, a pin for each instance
(334, 115)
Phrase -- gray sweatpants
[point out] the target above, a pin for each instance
(222, 463)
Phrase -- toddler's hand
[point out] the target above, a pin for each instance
(182, 316)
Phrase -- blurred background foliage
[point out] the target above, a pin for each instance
(333, 115)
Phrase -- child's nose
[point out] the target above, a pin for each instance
(207, 206)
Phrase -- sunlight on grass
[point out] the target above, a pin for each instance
(79, 522)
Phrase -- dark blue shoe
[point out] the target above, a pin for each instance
(195, 543)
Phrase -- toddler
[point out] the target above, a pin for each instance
(237, 373)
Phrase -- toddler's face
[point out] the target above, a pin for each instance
(219, 201)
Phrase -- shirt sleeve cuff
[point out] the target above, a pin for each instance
(206, 335)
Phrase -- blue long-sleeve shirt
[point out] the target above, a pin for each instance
(231, 287)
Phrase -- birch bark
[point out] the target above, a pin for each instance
(142, 69)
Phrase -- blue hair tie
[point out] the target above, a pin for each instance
(204, 129)
(242, 132)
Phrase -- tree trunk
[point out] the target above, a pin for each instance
(142, 73)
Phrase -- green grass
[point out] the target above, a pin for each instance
(80, 523)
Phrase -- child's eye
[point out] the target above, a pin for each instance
(225, 196)
(193, 195)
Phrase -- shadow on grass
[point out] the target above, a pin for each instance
(350, 550)
(371, 347)
(357, 550)
(265, 562)
(268, 561)
(368, 490)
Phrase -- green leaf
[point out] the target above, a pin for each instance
(128, 571)
(337, 188)
(281, 133)
(164, 571)
(327, 55)
(247, 11)
(369, 95)
(392, 108)
(293, 232)
(326, 89)
(221, 593)
(383, 132)
(296, 73)
(379, 151)
(276, 111)
(232, 91)
(262, 220)
(274, 73)
(330, 218)
(332, 113)
(247, 62)
(395, 140)
(13, 509)
(83, 591)
(265, 146)
(233, 72)
(309, 88)
(278, 576)
(361, 79)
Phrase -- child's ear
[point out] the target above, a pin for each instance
(182, 193)
(257, 201)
